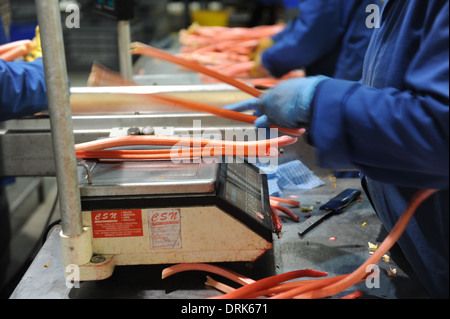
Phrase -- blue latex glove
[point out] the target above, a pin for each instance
(287, 105)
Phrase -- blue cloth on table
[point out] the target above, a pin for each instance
(290, 176)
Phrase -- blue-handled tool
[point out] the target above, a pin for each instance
(335, 206)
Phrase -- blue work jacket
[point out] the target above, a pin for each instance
(22, 87)
(329, 37)
(394, 127)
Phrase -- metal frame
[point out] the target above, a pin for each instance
(49, 19)
(124, 35)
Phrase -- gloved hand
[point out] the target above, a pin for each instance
(36, 49)
(258, 70)
(287, 105)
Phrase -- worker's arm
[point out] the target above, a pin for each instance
(22, 89)
(397, 135)
(394, 137)
(317, 38)
(397, 129)
(304, 40)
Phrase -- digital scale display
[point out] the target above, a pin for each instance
(244, 188)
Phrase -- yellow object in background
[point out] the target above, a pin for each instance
(36, 49)
(263, 45)
(258, 70)
(210, 18)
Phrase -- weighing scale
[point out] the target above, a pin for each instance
(160, 212)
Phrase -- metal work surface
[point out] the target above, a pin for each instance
(338, 246)
(139, 178)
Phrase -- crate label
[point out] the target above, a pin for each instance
(117, 223)
(165, 228)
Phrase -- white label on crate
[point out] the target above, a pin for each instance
(165, 229)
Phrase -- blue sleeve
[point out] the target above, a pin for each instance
(22, 89)
(304, 40)
(395, 135)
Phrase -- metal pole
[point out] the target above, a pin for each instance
(49, 18)
(124, 37)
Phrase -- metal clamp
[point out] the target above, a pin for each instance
(88, 171)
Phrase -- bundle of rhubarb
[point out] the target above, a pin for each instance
(229, 51)
(14, 50)
(222, 45)
(179, 148)
(293, 284)
(29, 50)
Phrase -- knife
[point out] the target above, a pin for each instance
(334, 206)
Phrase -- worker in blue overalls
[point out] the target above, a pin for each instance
(22, 86)
(393, 125)
(22, 92)
(326, 38)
